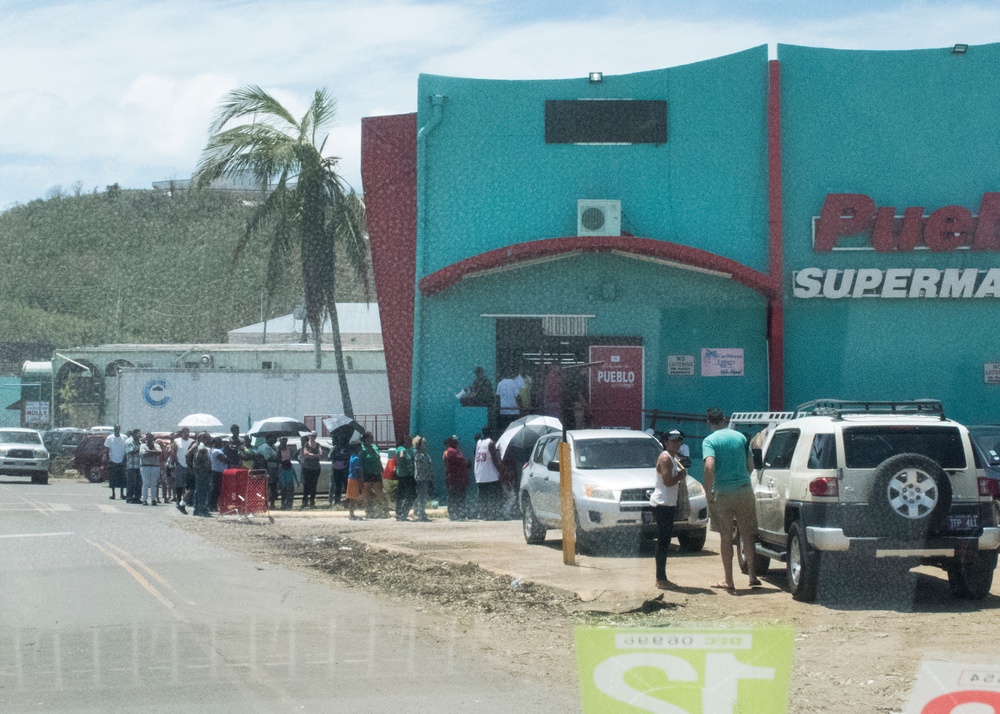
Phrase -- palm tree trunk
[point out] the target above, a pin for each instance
(338, 354)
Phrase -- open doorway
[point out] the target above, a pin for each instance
(526, 346)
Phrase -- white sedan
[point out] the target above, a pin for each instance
(614, 473)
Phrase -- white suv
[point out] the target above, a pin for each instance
(22, 453)
(614, 473)
(847, 482)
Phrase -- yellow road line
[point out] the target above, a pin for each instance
(146, 585)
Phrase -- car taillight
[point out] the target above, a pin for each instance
(988, 486)
(825, 486)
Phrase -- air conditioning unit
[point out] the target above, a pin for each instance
(598, 217)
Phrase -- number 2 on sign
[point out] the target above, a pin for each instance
(718, 695)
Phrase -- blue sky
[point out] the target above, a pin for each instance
(107, 91)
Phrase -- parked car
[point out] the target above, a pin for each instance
(614, 473)
(872, 486)
(63, 441)
(22, 453)
(90, 457)
(986, 444)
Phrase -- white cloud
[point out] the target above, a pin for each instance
(123, 91)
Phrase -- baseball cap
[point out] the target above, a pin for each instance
(675, 434)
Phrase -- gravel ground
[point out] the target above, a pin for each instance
(857, 650)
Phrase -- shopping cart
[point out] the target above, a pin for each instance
(244, 493)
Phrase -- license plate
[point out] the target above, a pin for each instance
(963, 521)
(647, 517)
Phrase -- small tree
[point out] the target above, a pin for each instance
(307, 204)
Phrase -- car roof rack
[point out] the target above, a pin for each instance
(837, 408)
(769, 419)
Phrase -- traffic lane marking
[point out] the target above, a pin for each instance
(138, 577)
(35, 535)
(152, 573)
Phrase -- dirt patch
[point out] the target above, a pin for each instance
(856, 650)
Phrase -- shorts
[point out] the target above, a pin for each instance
(739, 507)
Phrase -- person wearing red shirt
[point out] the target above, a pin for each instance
(456, 478)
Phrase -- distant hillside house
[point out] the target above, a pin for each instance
(360, 328)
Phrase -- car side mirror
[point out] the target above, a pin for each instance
(758, 458)
(553, 465)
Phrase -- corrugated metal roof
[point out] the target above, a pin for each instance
(354, 317)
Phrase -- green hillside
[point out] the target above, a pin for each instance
(133, 266)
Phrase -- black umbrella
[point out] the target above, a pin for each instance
(279, 426)
(341, 426)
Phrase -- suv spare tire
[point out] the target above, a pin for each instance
(911, 495)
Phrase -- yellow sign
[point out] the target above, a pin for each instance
(684, 671)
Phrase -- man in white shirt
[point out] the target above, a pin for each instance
(182, 474)
(487, 471)
(115, 444)
(509, 391)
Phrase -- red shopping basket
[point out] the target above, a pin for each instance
(244, 492)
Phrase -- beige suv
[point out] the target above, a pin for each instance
(849, 482)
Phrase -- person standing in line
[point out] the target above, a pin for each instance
(509, 394)
(372, 495)
(423, 475)
(487, 471)
(669, 474)
(149, 469)
(201, 465)
(728, 464)
(355, 481)
(233, 446)
(287, 481)
(310, 455)
(166, 470)
(220, 462)
(115, 444)
(340, 462)
(283, 452)
(456, 478)
(266, 455)
(183, 476)
(406, 486)
(133, 479)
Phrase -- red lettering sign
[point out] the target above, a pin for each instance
(946, 229)
(616, 386)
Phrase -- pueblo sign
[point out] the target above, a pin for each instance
(947, 229)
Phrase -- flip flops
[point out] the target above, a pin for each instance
(722, 585)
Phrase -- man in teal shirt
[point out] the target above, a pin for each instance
(730, 494)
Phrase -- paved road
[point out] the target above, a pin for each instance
(106, 606)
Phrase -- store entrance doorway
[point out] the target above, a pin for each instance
(557, 371)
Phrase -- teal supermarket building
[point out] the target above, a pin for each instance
(745, 232)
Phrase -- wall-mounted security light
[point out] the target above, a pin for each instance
(959, 49)
(596, 77)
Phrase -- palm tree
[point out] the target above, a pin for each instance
(307, 205)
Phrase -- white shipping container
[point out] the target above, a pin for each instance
(157, 399)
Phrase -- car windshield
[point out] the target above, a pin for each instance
(20, 437)
(612, 453)
(865, 447)
(988, 442)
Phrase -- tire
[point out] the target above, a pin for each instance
(911, 496)
(972, 579)
(761, 563)
(534, 532)
(802, 568)
(585, 544)
(43, 479)
(692, 541)
(93, 474)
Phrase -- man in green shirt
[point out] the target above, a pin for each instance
(730, 494)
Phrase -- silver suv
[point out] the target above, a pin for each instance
(614, 473)
(848, 482)
(22, 453)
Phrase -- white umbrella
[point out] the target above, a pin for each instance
(199, 421)
(278, 426)
(342, 421)
(522, 434)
